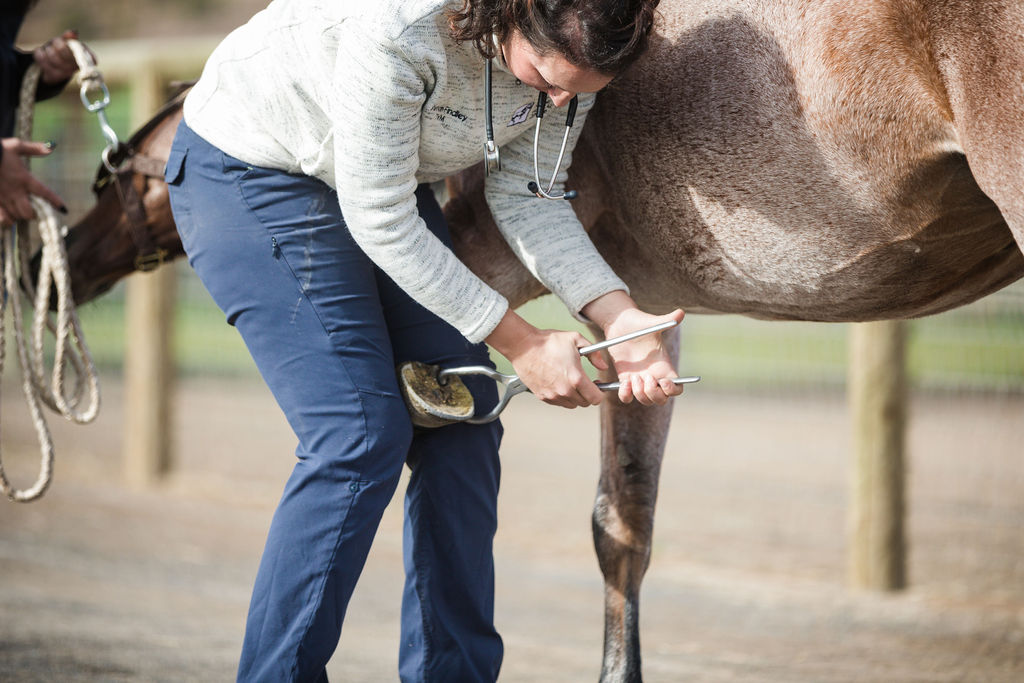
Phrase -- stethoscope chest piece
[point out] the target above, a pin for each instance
(492, 158)
(492, 154)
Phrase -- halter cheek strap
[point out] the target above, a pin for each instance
(150, 256)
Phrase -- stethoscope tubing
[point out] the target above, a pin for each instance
(535, 187)
(492, 153)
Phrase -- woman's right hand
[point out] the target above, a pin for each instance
(547, 361)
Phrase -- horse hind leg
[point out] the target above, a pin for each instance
(632, 443)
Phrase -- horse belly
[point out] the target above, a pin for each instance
(835, 268)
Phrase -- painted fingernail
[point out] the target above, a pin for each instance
(51, 144)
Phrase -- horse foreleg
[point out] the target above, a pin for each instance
(980, 60)
(632, 442)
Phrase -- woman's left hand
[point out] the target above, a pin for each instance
(55, 59)
(643, 365)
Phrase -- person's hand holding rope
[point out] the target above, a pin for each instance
(56, 64)
(17, 184)
(56, 61)
(22, 197)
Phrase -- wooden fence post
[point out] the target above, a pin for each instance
(878, 400)
(149, 327)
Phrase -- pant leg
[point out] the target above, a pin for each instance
(274, 253)
(448, 629)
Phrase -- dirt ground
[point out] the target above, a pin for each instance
(102, 583)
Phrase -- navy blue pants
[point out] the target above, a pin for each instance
(326, 329)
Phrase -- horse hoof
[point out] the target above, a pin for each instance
(430, 403)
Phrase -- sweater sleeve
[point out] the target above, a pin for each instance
(11, 97)
(546, 235)
(376, 106)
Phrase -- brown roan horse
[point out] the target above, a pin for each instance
(783, 159)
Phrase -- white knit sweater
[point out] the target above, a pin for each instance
(373, 97)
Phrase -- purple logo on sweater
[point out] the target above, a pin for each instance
(521, 115)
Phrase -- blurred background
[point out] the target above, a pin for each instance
(748, 572)
(136, 18)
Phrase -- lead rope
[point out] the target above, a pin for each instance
(81, 405)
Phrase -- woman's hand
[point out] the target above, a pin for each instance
(643, 365)
(16, 183)
(547, 361)
(56, 61)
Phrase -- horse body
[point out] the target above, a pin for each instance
(787, 160)
(784, 159)
(781, 159)
(816, 174)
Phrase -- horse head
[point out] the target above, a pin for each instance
(130, 227)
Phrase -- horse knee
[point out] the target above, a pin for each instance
(622, 538)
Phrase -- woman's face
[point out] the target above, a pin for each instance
(552, 73)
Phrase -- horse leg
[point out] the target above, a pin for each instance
(981, 59)
(632, 442)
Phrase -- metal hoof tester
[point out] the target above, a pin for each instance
(437, 397)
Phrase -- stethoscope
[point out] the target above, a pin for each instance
(492, 155)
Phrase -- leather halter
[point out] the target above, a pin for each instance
(126, 163)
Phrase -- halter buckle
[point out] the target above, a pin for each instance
(149, 262)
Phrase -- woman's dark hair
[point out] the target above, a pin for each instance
(601, 35)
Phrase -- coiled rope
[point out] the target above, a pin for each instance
(40, 385)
